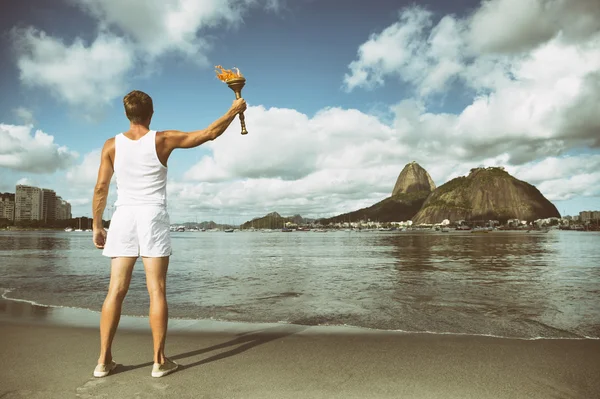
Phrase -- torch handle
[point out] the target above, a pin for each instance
(238, 95)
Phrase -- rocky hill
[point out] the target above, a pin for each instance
(410, 191)
(485, 194)
(412, 179)
(396, 208)
(274, 220)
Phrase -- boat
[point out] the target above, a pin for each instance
(68, 229)
(228, 230)
(285, 229)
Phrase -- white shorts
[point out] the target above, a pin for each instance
(139, 230)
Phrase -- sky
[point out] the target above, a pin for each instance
(341, 95)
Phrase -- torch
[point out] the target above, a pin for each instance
(236, 82)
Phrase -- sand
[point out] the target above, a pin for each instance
(53, 356)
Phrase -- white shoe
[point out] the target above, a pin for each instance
(160, 370)
(102, 370)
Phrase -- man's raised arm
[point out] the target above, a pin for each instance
(176, 139)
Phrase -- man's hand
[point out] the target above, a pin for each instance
(99, 238)
(238, 106)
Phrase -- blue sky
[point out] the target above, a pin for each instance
(341, 96)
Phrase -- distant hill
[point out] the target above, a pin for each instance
(397, 208)
(485, 194)
(410, 191)
(205, 225)
(274, 220)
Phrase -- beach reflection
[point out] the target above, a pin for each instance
(487, 283)
(22, 310)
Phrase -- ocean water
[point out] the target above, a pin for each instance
(508, 284)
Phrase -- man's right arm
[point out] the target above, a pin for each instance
(176, 139)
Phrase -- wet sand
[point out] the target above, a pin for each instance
(51, 353)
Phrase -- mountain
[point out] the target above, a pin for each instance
(204, 225)
(274, 220)
(412, 179)
(485, 194)
(410, 191)
(396, 208)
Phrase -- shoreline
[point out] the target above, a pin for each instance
(236, 360)
(30, 312)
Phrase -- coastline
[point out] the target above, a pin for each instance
(238, 360)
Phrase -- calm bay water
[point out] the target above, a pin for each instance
(510, 284)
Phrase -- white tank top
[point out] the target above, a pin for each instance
(141, 177)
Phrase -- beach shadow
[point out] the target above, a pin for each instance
(247, 340)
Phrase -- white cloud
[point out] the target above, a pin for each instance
(79, 182)
(287, 144)
(86, 76)
(430, 56)
(37, 153)
(527, 104)
(79, 202)
(342, 160)
(160, 26)
(85, 173)
(579, 185)
(521, 25)
(563, 177)
(24, 115)
(398, 47)
(25, 181)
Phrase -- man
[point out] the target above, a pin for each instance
(140, 224)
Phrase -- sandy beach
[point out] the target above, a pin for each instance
(51, 352)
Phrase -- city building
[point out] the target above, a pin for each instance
(28, 203)
(48, 205)
(41, 204)
(63, 209)
(588, 216)
(84, 223)
(7, 206)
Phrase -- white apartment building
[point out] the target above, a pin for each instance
(28, 203)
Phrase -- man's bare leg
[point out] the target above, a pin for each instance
(156, 280)
(120, 277)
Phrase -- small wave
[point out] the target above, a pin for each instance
(282, 295)
(316, 321)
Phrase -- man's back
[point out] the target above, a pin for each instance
(141, 176)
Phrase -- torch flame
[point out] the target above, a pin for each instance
(227, 74)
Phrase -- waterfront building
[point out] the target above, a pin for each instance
(7, 206)
(34, 203)
(48, 205)
(63, 209)
(588, 216)
(28, 203)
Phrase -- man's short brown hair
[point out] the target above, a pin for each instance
(138, 106)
